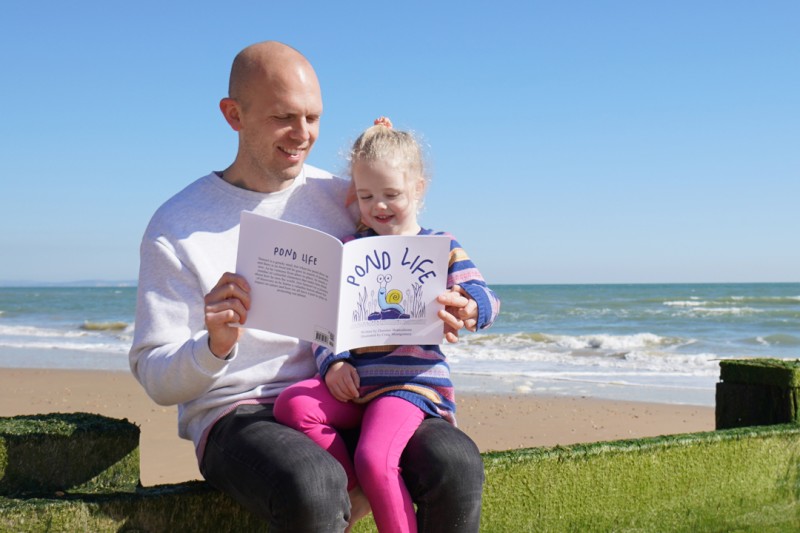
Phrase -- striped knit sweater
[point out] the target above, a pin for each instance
(418, 374)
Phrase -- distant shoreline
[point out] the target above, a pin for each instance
(67, 284)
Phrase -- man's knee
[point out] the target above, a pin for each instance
(443, 471)
(307, 480)
(311, 495)
(440, 455)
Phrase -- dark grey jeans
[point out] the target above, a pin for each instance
(296, 486)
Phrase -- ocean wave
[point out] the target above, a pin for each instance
(113, 338)
(768, 300)
(736, 303)
(573, 342)
(775, 340)
(104, 326)
(36, 331)
(720, 311)
(686, 303)
(598, 378)
(765, 301)
(613, 342)
(94, 347)
(643, 352)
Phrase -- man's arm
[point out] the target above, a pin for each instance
(170, 355)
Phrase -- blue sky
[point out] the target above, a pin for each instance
(571, 142)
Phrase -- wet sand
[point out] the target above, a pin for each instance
(494, 421)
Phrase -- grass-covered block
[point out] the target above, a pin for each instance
(758, 392)
(744, 479)
(67, 452)
(761, 371)
(191, 506)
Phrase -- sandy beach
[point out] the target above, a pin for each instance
(495, 422)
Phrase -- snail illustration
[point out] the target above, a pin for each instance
(391, 299)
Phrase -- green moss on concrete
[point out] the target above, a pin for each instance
(192, 506)
(740, 405)
(758, 392)
(761, 371)
(737, 480)
(743, 480)
(67, 452)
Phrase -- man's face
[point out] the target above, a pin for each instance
(279, 124)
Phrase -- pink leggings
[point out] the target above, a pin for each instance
(387, 424)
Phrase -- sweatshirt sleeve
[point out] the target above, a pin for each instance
(463, 272)
(170, 359)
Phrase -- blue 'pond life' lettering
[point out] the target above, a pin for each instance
(384, 301)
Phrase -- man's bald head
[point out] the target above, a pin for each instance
(266, 62)
(275, 105)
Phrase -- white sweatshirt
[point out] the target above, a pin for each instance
(190, 242)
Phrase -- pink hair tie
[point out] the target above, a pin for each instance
(383, 121)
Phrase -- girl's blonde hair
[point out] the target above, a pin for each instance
(398, 149)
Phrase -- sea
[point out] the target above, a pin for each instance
(640, 342)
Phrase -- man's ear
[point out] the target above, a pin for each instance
(232, 112)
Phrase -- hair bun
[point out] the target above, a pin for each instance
(383, 121)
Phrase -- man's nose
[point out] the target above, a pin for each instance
(301, 130)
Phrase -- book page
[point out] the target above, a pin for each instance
(294, 273)
(388, 290)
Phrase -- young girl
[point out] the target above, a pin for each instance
(389, 390)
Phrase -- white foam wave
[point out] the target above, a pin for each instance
(65, 345)
(600, 341)
(33, 331)
(599, 378)
(720, 311)
(26, 337)
(618, 354)
(685, 303)
(611, 342)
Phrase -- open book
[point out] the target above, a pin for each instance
(368, 292)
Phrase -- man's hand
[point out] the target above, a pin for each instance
(460, 311)
(342, 381)
(226, 304)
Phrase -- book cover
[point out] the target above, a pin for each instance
(368, 292)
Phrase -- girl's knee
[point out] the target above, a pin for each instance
(296, 404)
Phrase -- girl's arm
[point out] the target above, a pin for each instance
(469, 302)
(339, 375)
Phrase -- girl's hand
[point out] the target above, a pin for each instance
(460, 311)
(342, 381)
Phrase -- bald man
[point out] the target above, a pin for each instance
(224, 379)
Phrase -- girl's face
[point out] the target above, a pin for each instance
(387, 198)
